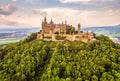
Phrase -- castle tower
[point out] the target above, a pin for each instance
(79, 28)
(51, 26)
(43, 25)
(51, 22)
(45, 20)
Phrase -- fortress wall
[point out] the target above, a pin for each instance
(57, 29)
(63, 28)
(47, 29)
(70, 37)
(39, 36)
(85, 40)
(47, 35)
(84, 37)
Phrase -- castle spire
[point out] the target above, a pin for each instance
(45, 20)
(51, 22)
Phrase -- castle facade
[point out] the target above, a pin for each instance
(50, 31)
(49, 28)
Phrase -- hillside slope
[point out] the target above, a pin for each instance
(37, 60)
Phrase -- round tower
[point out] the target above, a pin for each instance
(79, 28)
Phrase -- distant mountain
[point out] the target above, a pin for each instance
(10, 35)
(111, 31)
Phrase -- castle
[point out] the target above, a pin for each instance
(49, 28)
(51, 31)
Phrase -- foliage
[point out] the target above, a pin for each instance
(60, 37)
(30, 38)
(48, 37)
(60, 61)
(71, 30)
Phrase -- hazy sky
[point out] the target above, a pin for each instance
(29, 13)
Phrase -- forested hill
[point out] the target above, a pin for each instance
(38, 60)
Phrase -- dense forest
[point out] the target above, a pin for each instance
(39, 60)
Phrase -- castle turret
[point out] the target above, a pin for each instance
(51, 26)
(79, 28)
(45, 20)
(51, 22)
(42, 23)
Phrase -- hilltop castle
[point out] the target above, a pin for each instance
(51, 31)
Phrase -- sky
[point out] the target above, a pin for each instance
(30, 13)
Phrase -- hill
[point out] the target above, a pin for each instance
(38, 60)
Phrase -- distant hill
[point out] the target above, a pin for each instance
(11, 35)
(110, 31)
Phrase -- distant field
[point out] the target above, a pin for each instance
(8, 41)
(12, 35)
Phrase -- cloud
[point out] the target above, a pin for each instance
(32, 1)
(85, 17)
(90, 4)
(70, 1)
(86, 12)
(7, 10)
(18, 16)
(11, 23)
(76, 1)
(39, 12)
(14, 0)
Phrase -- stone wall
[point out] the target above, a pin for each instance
(84, 37)
(39, 36)
(70, 37)
(56, 29)
(63, 28)
(47, 29)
